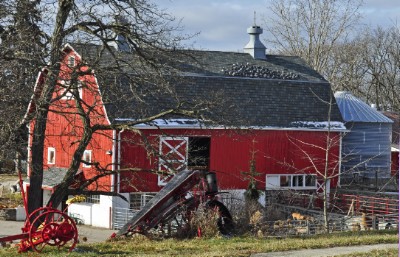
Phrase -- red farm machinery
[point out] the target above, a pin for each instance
(170, 209)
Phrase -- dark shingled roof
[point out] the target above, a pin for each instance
(279, 91)
(53, 176)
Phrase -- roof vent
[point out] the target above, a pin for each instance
(255, 48)
(120, 42)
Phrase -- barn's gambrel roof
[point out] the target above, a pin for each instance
(278, 92)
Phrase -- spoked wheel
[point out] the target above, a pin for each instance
(49, 234)
(52, 227)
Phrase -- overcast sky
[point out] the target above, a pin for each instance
(222, 23)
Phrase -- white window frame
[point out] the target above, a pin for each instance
(95, 199)
(273, 182)
(89, 152)
(51, 150)
(71, 62)
(138, 204)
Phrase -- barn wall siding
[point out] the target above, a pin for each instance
(275, 152)
(63, 131)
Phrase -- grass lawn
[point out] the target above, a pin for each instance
(236, 246)
(8, 177)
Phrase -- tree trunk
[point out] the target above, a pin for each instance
(62, 189)
(326, 218)
(38, 137)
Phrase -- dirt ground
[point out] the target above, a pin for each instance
(93, 234)
(7, 228)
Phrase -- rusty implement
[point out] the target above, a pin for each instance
(181, 195)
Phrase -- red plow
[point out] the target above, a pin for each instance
(49, 227)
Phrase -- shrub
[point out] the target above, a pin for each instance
(205, 221)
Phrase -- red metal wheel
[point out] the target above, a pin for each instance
(67, 231)
(49, 234)
(52, 227)
(35, 213)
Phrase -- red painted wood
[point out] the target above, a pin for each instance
(395, 164)
(276, 152)
(63, 131)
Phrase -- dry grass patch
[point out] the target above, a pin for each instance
(236, 246)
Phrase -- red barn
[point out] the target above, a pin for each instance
(395, 117)
(271, 110)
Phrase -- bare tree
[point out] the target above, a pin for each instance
(381, 61)
(322, 32)
(147, 30)
(312, 29)
(327, 165)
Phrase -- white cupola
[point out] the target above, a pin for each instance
(255, 48)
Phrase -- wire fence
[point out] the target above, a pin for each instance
(285, 228)
(346, 204)
(299, 214)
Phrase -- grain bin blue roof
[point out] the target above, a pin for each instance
(355, 110)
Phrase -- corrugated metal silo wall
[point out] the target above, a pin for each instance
(366, 150)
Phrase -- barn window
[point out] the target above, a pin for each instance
(311, 181)
(297, 181)
(138, 200)
(273, 181)
(92, 199)
(67, 89)
(291, 181)
(87, 157)
(285, 181)
(51, 155)
(199, 153)
(71, 61)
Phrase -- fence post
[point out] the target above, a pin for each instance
(357, 203)
(374, 225)
(373, 205)
(387, 206)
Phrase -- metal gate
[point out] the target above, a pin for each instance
(121, 216)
